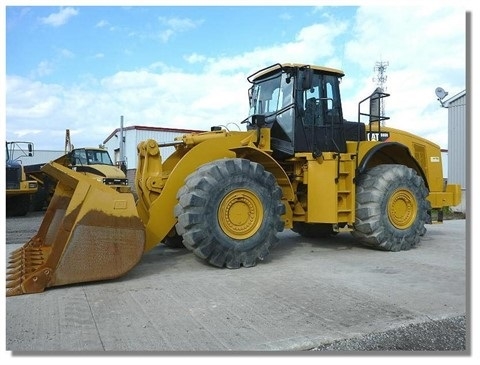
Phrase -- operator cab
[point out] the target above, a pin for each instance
(302, 106)
(90, 156)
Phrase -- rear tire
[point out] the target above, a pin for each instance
(229, 212)
(18, 205)
(391, 208)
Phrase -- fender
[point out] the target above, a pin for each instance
(271, 165)
(390, 153)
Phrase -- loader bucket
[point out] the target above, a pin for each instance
(89, 232)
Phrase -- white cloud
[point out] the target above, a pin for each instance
(165, 35)
(44, 68)
(179, 24)
(66, 53)
(102, 23)
(59, 18)
(20, 133)
(176, 25)
(27, 101)
(47, 67)
(195, 58)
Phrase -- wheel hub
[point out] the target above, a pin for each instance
(240, 214)
(402, 209)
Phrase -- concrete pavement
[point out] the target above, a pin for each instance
(307, 293)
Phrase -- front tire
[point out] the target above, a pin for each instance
(229, 212)
(391, 208)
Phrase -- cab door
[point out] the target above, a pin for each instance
(322, 119)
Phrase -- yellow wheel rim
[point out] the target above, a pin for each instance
(240, 214)
(402, 209)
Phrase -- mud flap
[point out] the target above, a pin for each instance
(89, 232)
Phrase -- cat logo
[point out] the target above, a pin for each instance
(378, 136)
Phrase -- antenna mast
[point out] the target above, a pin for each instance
(381, 79)
(68, 142)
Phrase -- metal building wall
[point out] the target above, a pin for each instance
(457, 151)
(40, 157)
(111, 145)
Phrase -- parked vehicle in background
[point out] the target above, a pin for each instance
(19, 188)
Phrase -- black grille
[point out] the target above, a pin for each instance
(113, 181)
(13, 177)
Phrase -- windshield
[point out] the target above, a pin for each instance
(91, 157)
(98, 157)
(272, 98)
(271, 94)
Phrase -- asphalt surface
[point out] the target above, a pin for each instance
(308, 295)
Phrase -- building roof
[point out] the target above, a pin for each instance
(151, 129)
(455, 98)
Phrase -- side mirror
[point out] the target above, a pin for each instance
(250, 96)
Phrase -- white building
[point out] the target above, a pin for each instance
(457, 144)
(39, 156)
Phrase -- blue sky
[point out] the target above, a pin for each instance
(82, 67)
(66, 45)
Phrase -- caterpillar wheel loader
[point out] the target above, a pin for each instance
(225, 195)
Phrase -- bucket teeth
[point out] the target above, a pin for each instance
(22, 253)
(15, 276)
(17, 251)
(11, 291)
(26, 258)
(26, 251)
(14, 283)
(23, 262)
(22, 269)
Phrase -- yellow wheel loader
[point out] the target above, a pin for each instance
(226, 194)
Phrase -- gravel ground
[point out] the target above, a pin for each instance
(438, 335)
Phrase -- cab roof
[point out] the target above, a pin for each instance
(276, 66)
